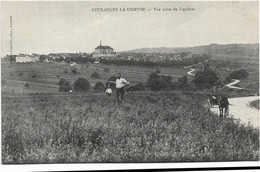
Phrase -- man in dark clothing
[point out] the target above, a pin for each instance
(223, 104)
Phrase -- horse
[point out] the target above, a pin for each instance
(223, 107)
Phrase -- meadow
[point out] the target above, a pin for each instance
(44, 77)
(146, 127)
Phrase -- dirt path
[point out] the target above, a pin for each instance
(230, 85)
(190, 72)
(240, 109)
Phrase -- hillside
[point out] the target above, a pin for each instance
(146, 127)
(238, 50)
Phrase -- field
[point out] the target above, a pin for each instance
(223, 68)
(146, 127)
(44, 77)
(41, 125)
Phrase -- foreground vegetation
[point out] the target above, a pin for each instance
(146, 127)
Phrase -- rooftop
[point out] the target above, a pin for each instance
(103, 47)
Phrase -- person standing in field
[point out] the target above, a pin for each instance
(120, 87)
(108, 89)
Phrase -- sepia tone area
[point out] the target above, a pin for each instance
(129, 82)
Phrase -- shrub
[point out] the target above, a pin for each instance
(159, 82)
(99, 86)
(158, 71)
(240, 74)
(58, 76)
(137, 87)
(20, 74)
(206, 78)
(65, 71)
(74, 70)
(26, 85)
(35, 76)
(64, 85)
(4, 82)
(95, 75)
(81, 84)
(106, 69)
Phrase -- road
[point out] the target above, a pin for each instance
(190, 72)
(230, 85)
(240, 109)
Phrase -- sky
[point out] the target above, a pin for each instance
(55, 27)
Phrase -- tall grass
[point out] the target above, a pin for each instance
(146, 127)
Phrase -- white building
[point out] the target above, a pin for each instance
(103, 51)
(25, 58)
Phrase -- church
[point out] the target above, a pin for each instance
(103, 52)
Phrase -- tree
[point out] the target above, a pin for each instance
(106, 69)
(95, 75)
(26, 85)
(159, 82)
(158, 71)
(42, 58)
(64, 85)
(206, 78)
(99, 87)
(81, 84)
(74, 70)
(240, 74)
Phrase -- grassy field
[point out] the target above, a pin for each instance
(146, 127)
(43, 77)
(223, 68)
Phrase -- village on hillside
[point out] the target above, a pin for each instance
(101, 52)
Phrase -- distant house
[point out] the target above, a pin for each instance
(25, 58)
(103, 52)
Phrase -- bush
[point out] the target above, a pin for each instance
(99, 87)
(206, 78)
(158, 71)
(4, 82)
(106, 69)
(81, 84)
(95, 75)
(137, 87)
(26, 85)
(65, 71)
(20, 74)
(159, 82)
(240, 74)
(74, 70)
(64, 85)
(35, 76)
